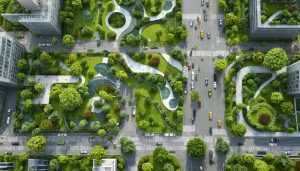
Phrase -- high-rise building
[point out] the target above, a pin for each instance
(10, 52)
(293, 73)
(43, 19)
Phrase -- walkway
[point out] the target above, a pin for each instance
(267, 22)
(127, 16)
(172, 61)
(63, 66)
(239, 99)
(162, 14)
(43, 97)
(91, 102)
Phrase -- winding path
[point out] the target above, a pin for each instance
(172, 61)
(63, 66)
(239, 99)
(162, 14)
(140, 68)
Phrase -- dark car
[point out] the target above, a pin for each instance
(15, 143)
(210, 130)
(191, 53)
(159, 144)
(275, 140)
(194, 113)
(172, 151)
(240, 144)
(154, 47)
(261, 152)
(251, 49)
(207, 4)
(215, 77)
(105, 51)
(193, 65)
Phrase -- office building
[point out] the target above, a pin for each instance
(293, 79)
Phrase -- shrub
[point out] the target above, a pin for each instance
(264, 119)
(154, 61)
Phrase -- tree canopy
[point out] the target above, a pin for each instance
(196, 148)
(36, 143)
(127, 145)
(97, 153)
(220, 64)
(222, 146)
(275, 59)
(69, 99)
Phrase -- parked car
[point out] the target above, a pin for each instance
(194, 113)
(210, 130)
(220, 22)
(272, 144)
(207, 4)
(192, 85)
(209, 93)
(205, 17)
(15, 143)
(154, 47)
(240, 144)
(204, 10)
(219, 123)
(145, 48)
(211, 155)
(215, 85)
(215, 77)
(8, 152)
(249, 152)
(288, 152)
(202, 2)
(185, 91)
(83, 152)
(193, 75)
(261, 152)
(172, 151)
(208, 35)
(210, 115)
(275, 140)
(193, 65)
(159, 144)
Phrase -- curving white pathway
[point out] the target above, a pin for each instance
(140, 68)
(162, 14)
(172, 61)
(63, 66)
(239, 99)
(127, 16)
(91, 102)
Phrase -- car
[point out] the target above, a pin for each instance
(193, 120)
(206, 81)
(205, 17)
(83, 152)
(215, 85)
(215, 77)
(185, 91)
(8, 120)
(154, 47)
(193, 75)
(201, 34)
(159, 144)
(219, 123)
(145, 48)
(172, 151)
(9, 110)
(198, 20)
(207, 4)
(191, 53)
(149, 134)
(261, 152)
(15, 143)
(209, 93)
(210, 115)
(193, 65)
(288, 152)
(202, 2)
(275, 140)
(210, 130)
(272, 144)
(224, 29)
(240, 144)
(208, 35)
(133, 111)
(189, 66)
(191, 24)
(8, 152)
(220, 22)
(105, 51)
(61, 142)
(194, 113)
(192, 85)
(204, 10)
(201, 168)
(211, 155)
(251, 49)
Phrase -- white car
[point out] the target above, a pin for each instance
(192, 85)
(9, 110)
(8, 120)
(191, 24)
(272, 144)
(288, 152)
(193, 75)
(220, 22)
(133, 111)
(215, 85)
(145, 48)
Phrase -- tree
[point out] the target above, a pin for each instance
(154, 61)
(31, 81)
(177, 54)
(46, 124)
(72, 124)
(37, 143)
(106, 97)
(26, 94)
(76, 69)
(258, 57)
(110, 6)
(122, 75)
(143, 124)
(101, 132)
(27, 127)
(63, 159)
(178, 15)
(77, 4)
(283, 162)
(171, 38)
(69, 99)
(222, 5)
(127, 145)
(261, 165)
(268, 158)
(221, 64)
(45, 57)
(195, 95)
(54, 117)
(87, 31)
(196, 148)
(95, 125)
(147, 166)
(287, 107)
(97, 153)
(54, 40)
(83, 123)
(161, 154)
(169, 167)
(111, 35)
(39, 87)
(276, 97)
(275, 59)
(230, 19)
(54, 164)
(248, 159)
(23, 156)
(238, 130)
(21, 76)
(68, 40)
(112, 125)
(222, 146)
(22, 64)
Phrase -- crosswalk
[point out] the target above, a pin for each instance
(210, 53)
(191, 16)
(185, 72)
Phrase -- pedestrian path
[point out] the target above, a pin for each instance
(163, 13)
(172, 61)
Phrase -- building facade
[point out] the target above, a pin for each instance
(10, 52)
(293, 79)
(43, 21)
(259, 30)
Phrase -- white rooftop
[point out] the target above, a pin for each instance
(105, 165)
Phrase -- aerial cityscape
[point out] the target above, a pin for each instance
(149, 85)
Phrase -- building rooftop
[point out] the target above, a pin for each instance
(105, 165)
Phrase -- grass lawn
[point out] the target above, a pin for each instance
(154, 114)
(270, 8)
(163, 65)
